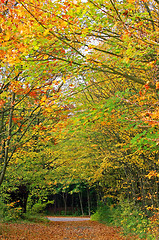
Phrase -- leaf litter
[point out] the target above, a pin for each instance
(86, 230)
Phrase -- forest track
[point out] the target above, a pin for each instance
(68, 219)
(70, 230)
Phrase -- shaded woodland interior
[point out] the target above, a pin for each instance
(73, 204)
(83, 202)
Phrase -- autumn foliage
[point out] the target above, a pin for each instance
(79, 97)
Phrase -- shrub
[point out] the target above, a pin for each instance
(128, 216)
(8, 212)
(132, 219)
(104, 214)
(40, 207)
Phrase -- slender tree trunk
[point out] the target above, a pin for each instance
(25, 193)
(89, 205)
(64, 195)
(55, 204)
(8, 140)
(156, 182)
(1, 137)
(81, 205)
(72, 204)
(143, 194)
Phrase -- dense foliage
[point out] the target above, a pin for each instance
(79, 103)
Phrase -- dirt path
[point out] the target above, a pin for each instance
(77, 230)
(68, 219)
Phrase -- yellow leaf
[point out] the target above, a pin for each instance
(64, 24)
(131, 1)
(126, 59)
(64, 79)
(7, 37)
(45, 57)
(46, 32)
(157, 85)
(43, 99)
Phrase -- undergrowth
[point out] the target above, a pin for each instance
(10, 213)
(128, 216)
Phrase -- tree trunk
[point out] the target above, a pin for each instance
(72, 204)
(64, 195)
(25, 193)
(81, 205)
(6, 150)
(88, 200)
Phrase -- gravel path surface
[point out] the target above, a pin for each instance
(68, 219)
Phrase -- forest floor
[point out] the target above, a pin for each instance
(77, 230)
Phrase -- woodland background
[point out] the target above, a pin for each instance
(79, 110)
